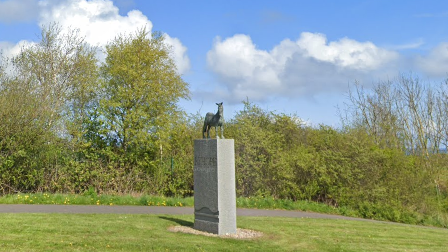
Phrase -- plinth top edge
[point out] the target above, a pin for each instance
(213, 139)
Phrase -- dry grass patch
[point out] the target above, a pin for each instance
(241, 233)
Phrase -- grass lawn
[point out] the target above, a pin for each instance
(118, 232)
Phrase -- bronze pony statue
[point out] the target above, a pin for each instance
(214, 120)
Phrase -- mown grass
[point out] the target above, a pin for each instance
(120, 232)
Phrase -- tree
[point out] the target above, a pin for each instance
(43, 101)
(406, 114)
(140, 93)
(61, 72)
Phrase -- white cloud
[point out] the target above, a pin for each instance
(178, 53)
(243, 67)
(302, 67)
(411, 45)
(435, 64)
(99, 22)
(9, 49)
(18, 10)
(345, 52)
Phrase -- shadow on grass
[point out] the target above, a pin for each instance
(178, 221)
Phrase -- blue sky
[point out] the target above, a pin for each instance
(289, 56)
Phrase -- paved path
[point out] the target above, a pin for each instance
(88, 209)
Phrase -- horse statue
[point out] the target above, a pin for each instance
(214, 120)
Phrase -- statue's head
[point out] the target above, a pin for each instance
(219, 106)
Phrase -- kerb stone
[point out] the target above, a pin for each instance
(214, 186)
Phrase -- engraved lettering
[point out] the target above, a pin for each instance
(205, 161)
(204, 164)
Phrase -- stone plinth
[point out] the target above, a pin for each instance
(214, 186)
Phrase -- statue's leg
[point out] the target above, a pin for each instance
(216, 131)
(204, 129)
(208, 131)
(222, 131)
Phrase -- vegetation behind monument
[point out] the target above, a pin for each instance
(70, 124)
